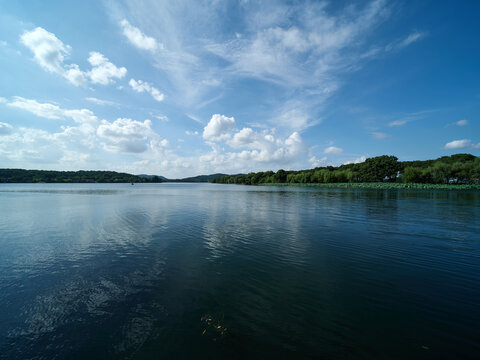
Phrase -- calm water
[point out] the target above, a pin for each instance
(222, 271)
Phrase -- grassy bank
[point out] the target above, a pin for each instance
(381, 186)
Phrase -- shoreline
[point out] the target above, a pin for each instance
(381, 186)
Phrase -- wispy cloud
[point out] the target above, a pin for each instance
(333, 150)
(306, 55)
(195, 118)
(397, 123)
(410, 39)
(100, 101)
(379, 135)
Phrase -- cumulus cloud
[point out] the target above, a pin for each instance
(47, 49)
(81, 116)
(138, 38)
(125, 135)
(103, 71)
(83, 140)
(50, 53)
(263, 151)
(316, 162)
(218, 127)
(142, 86)
(243, 138)
(5, 129)
(333, 150)
(458, 144)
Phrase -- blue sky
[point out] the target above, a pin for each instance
(181, 88)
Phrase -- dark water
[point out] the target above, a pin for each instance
(119, 271)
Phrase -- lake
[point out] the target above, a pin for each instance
(209, 271)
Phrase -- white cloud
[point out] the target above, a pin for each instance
(76, 76)
(35, 147)
(137, 38)
(45, 110)
(161, 117)
(100, 101)
(191, 132)
(359, 160)
(52, 111)
(82, 116)
(47, 49)
(5, 129)
(458, 144)
(3, 100)
(293, 118)
(333, 150)
(194, 118)
(50, 53)
(277, 50)
(243, 138)
(126, 135)
(103, 71)
(218, 126)
(263, 151)
(411, 39)
(379, 135)
(400, 44)
(397, 123)
(461, 123)
(141, 86)
(164, 143)
(315, 162)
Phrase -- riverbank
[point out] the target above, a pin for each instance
(381, 186)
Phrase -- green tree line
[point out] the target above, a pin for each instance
(47, 176)
(455, 169)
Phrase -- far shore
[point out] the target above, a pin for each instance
(382, 186)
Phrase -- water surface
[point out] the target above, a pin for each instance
(118, 271)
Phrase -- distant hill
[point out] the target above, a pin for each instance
(163, 178)
(192, 179)
(81, 176)
(50, 176)
(199, 178)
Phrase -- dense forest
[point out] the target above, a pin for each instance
(455, 169)
(36, 176)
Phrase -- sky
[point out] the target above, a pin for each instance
(182, 88)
